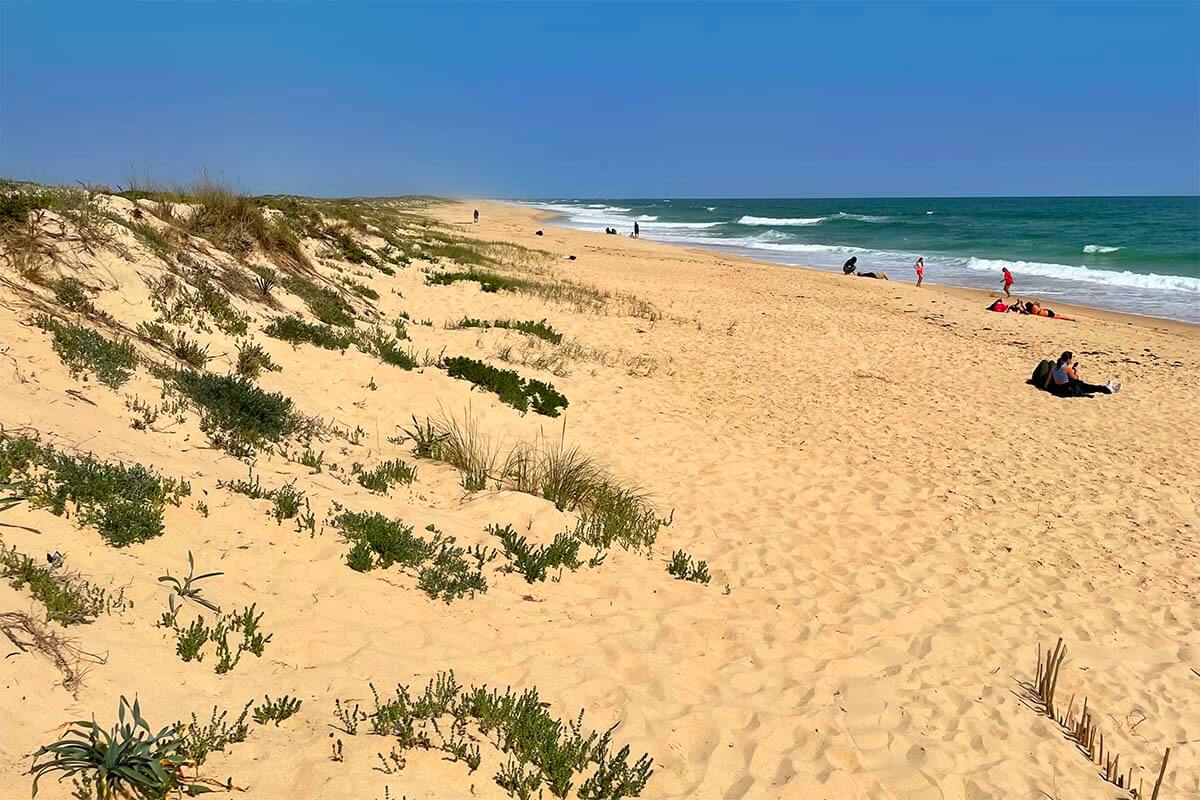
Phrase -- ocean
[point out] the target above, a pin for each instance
(1135, 254)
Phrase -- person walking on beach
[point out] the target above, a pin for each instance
(637, 231)
(477, 215)
(1008, 282)
(920, 267)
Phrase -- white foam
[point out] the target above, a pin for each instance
(1099, 248)
(645, 218)
(749, 220)
(860, 217)
(650, 223)
(1175, 283)
(710, 208)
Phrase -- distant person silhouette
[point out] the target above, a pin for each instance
(637, 231)
(477, 215)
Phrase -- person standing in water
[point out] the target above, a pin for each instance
(1008, 282)
(637, 231)
(920, 268)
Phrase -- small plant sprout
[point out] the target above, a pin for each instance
(187, 589)
(682, 567)
(276, 710)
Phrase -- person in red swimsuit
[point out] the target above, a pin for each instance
(920, 267)
(1008, 282)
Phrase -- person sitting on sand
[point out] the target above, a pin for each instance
(1037, 310)
(1064, 380)
(850, 265)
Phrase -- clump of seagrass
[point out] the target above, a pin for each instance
(608, 511)
(1084, 729)
(541, 751)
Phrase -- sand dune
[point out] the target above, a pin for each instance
(893, 521)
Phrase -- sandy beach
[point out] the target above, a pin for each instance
(892, 518)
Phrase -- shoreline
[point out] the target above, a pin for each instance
(984, 296)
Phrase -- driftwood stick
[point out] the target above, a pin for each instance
(1161, 772)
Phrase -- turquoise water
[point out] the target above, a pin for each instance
(1135, 254)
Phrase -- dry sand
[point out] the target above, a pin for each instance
(893, 520)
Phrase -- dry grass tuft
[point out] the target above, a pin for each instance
(29, 634)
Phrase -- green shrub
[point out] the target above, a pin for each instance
(386, 475)
(69, 600)
(190, 641)
(510, 387)
(125, 504)
(541, 749)
(443, 569)
(448, 575)
(276, 710)
(81, 349)
(362, 290)
(214, 302)
(539, 329)
(326, 305)
(613, 514)
(534, 563)
(287, 500)
(237, 415)
(387, 349)
(297, 331)
(381, 542)
(202, 740)
(253, 359)
(681, 567)
(351, 250)
(72, 295)
(154, 240)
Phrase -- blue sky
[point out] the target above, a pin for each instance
(621, 100)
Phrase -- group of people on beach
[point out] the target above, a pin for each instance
(1061, 377)
(1032, 307)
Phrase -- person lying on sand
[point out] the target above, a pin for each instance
(852, 264)
(1064, 380)
(1037, 310)
(1000, 306)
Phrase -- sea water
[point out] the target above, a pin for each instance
(1134, 254)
